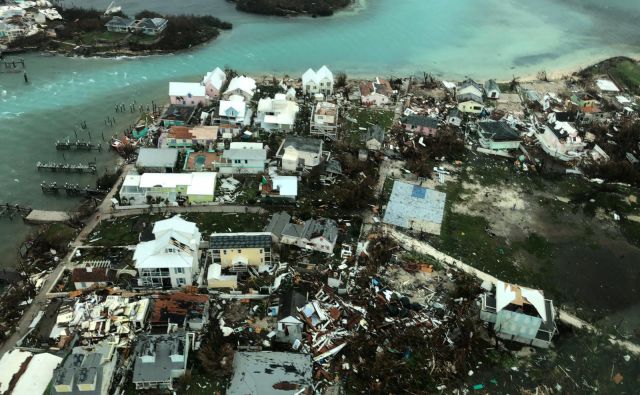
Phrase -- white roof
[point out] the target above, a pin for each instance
(622, 100)
(39, 373)
(507, 293)
(186, 88)
(607, 85)
(238, 105)
(215, 78)
(565, 127)
(203, 183)
(165, 180)
(131, 180)
(322, 73)
(178, 224)
(10, 365)
(151, 254)
(448, 85)
(240, 145)
(245, 84)
(214, 272)
(286, 185)
(284, 110)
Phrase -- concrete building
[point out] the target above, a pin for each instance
(172, 187)
(160, 360)
(324, 120)
(297, 153)
(239, 251)
(171, 259)
(519, 314)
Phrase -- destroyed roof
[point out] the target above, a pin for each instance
(333, 166)
(220, 241)
(421, 121)
(491, 85)
(92, 275)
(277, 223)
(157, 157)
(498, 131)
(454, 112)
(507, 294)
(161, 347)
(469, 82)
(375, 132)
(414, 207)
(270, 373)
(305, 144)
(312, 228)
(85, 367)
(290, 303)
(380, 86)
(177, 307)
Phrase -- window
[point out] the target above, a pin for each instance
(239, 251)
(181, 281)
(246, 161)
(224, 252)
(178, 270)
(261, 250)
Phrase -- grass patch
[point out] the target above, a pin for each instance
(119, 231)
(536, 245)
(102, 36)
(627, 73)
(631, 231)
(227, 222)
(365, 118)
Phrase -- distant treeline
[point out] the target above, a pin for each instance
(288, 7)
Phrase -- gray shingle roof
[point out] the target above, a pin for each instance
(162, 347)
(277, 223)
(303, 144)
(157, 157)
(498, 131)
(420, 121)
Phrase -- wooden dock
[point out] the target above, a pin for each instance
(46, 217)
(77, 145)
(68, 167)
(71, 189)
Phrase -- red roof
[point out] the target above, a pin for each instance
(92, 275)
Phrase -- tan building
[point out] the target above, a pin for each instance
(237, 251)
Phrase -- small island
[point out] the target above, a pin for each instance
(89, 32)
(292, 7)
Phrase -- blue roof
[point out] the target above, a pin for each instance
(415, 207)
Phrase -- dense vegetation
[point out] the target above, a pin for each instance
(624, 141)
(288, 7)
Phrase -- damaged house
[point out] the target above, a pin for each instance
(375, 93)
(160, 359)
(519, 314)
(290, 326)
(271, 373)
(179, 310)
(87, 372)
(313, 234)
(422, 125)
(299, 153)
(498, 136)
(561, 140)
(324, 120)
(171, 259)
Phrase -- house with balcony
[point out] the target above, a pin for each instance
(242, 158)
(320, 81)
(187, 93)
(231, 116)
(299, 153)
(171, 259)
(277, 113)
(160, 360)
(213, 82)
(324, 120)
(237, 252)
(519, 314)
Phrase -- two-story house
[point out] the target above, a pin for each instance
(160, 360)
(242, 86)
(375, 93)
(242, 158)
(426, 126)
(171, 259)
(320, 81)
(239, 251)
(469, 90)
(324, 120)
(277, 113)
(231, 116)
(313, 234)
(213, 82)
(187, 93)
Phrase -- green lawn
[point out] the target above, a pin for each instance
(627, 73)
(104, 36)
(365, 117)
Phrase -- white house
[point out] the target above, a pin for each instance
(318, 82)
(471, 107)
(469, 90)
(187, 93)
(242, 158)
(87, 277)
(285, 187)
(454, 117)
(171, 259)
(277, 113)
(196, 187)
(561, 140)
(241, 85)
(213, 82)
(231, 116)
(299, 152)
(375, 93)
(290, 323)
(317, 235)
(491, 89)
